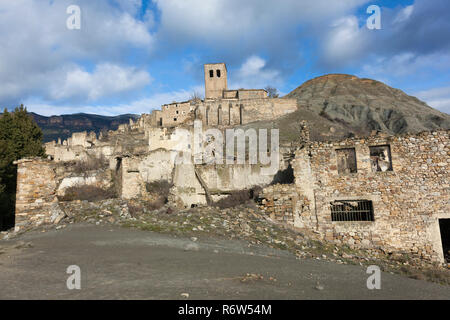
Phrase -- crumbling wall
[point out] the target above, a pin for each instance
(135, 171)
(36, 192)
(407, 201)
(187, 190)
(41, 181)
(233, 177)
(176, 113)
(79, 147)
(280, 202)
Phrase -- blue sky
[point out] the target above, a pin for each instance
(131, 56)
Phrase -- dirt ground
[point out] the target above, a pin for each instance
(122, 263)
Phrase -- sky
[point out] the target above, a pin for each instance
(132, 56)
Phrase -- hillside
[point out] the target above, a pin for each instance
(339, 105)
(63, 126)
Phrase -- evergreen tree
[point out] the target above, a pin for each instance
(20, 137)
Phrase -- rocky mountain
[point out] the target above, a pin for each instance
(338, 105)
(63, 126)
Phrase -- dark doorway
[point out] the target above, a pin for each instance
(285, 176)
(444, 225)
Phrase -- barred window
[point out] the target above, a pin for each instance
(352, 210)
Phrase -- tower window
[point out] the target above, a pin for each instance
(218, 73)
(211, 73)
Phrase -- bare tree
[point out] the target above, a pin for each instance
(195, 95)
(272, 92)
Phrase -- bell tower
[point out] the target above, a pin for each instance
(215, 80)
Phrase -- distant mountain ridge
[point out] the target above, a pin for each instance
(63, 126)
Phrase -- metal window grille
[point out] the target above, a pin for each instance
(352, 210)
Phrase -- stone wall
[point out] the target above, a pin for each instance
(36, 192)
(41, 181)
(407, 201)
(245, 94)
(176, 113)
(229, 112)
(134, 172)
(279, 202)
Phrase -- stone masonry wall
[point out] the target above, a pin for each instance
(41, 181)
(36, 192)
(407, 201)
(279, 202)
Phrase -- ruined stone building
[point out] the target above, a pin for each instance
(222, 107)
(387, 192)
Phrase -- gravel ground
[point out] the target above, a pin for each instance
(124, 263)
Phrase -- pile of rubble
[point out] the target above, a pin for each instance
(244, 222)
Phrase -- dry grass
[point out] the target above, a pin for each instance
(237, 198)
(91, 164)
(88, 193)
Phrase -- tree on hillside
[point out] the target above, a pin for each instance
(20, 137)
(272, 92)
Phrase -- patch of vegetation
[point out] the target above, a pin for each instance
(237, 198)
(87, 192)
(159, 190)
(90, 164)
(20, 137)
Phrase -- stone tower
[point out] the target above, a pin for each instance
(215, 80)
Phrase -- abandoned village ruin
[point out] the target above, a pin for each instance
(388, 192)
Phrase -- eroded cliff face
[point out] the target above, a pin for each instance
(55, 127)
(348, 104)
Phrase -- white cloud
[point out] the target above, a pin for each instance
(438, 98)
(38, 51)
(344, 41)
(253, 74)
(225, 21)
(404, 14)
(106, 80)
(405, 64)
